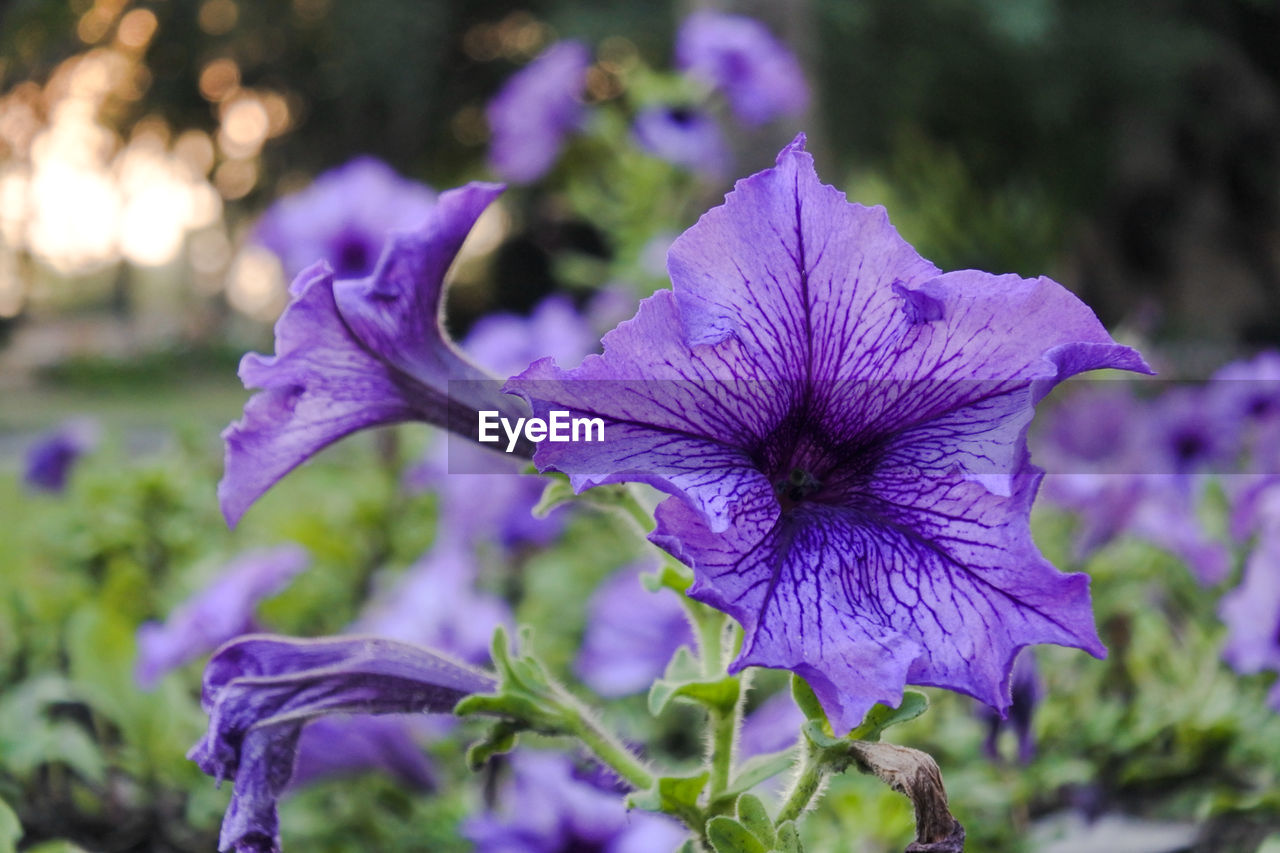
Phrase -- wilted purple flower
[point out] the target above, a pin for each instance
(737, 55)
(333, 747)
(344, 218)
(842, 428)
(631, 635)
(535, 110)
(217, 613)
(684, 137)
(1025, 692)
(360, 353)
(49, 460)
(260, 690)
(546, 808)
(1252, 611)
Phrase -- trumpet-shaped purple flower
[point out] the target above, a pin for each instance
(842, 429)
(50, 459)
(537, 108)
(631, 635)
(737, 55)
(219, 612)
(343, 218)
(359, 353)
(260, 690)
(547, 808)
(683, 136)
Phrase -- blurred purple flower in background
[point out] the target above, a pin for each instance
(545, 807)
(360, 353)
(631, 635)
(842, 429)
(737, 55)
(1252, 611)
(260, 690)
(772, 727)
(344, 218)
(219, 612)
(683, 136)
(535, 110)
(1025, 692)
(51, 456)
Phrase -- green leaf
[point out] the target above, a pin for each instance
(721, 694)
(729, 836)
(881, 717)
(806, 699)
(674, 576)
(789, 838)
(755, 770)
(755, 817)
(10, 829)
(673, 795)
(556, 493)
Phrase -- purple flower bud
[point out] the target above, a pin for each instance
(260, 690)
(344, 218)
(219, 612)
(537, 108)
(737, 55)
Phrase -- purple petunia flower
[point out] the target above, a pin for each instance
(343, 218)
(737, 55)
(219, 612)
(360, 353)
(333, 747)
(50, 459)
(1247, 394)
(260, 690)
(1252, 611)
(1025, 692)
(631, 635)
(684, 137)
(842, 429)
(535, 110)
(546, 808)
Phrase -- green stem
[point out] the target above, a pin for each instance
(804, 789)
(710, 625)
(610, 750)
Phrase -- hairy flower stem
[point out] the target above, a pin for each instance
(805, 788)
(610, 751)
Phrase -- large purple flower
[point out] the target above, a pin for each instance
(344, 218)
(219, 612)
(259, 691)
(50, 459)
(535, 110)
(547, 808)
(842, 428)
(360, 353)
(757, 73)
(631, 635)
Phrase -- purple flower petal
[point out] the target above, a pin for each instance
(260, 690)
(631, 635)
(50, 459)
(356, 354)
(343, 218)
(338, 746)
(757, 73)
(535, 110)
(843, 431)
(219, 612)
(684, 137)
(1252, 611)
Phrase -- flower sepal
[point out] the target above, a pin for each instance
(673, 795)
(818, 732)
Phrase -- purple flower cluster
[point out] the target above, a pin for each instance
(541, 106)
